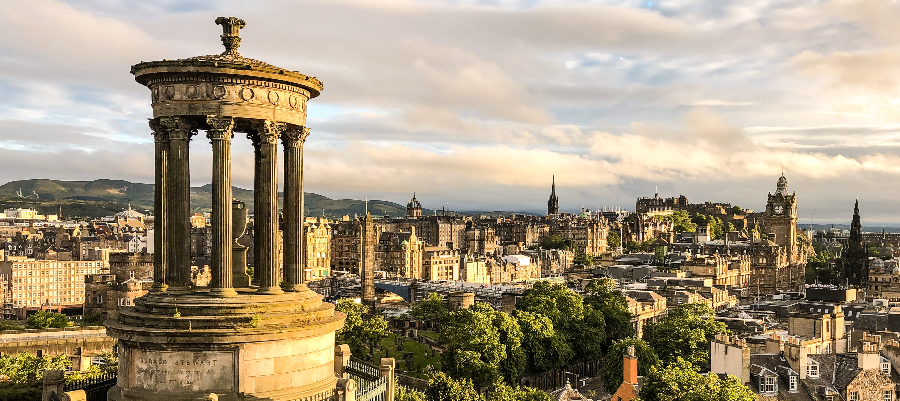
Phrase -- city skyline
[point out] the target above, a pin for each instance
(477, 105)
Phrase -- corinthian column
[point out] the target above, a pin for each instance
(178, 210)
(265, 241)
(220, 133)
(160, 207)
(294, 262)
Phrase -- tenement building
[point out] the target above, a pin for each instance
(49, 284)
(229, 340)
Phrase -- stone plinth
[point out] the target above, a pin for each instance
(249, 346)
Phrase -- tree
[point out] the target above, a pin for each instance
(612, 371)
(556, 242)
(602, 296)
(360, 334)
(431, 309)
(685, 333)
(513, 366)
(737, 211)
(546, 348)
(613, 240)
(503, 392)
(474, 350)
(682, 222)
(563, 306)
(442, 387)
(680, 381)
(402, 393)
(27, 368)
(46, 319)
(583, 259)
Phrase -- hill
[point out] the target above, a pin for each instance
(98, 198)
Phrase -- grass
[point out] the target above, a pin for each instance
(420, 359)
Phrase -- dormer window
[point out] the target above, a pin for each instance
(792, 383)
(767, 384)
(886, 367)
(812, 371)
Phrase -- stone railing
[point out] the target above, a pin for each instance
(360, 381)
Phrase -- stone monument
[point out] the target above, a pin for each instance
(274, 341)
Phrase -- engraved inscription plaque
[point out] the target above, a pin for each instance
(180, 370)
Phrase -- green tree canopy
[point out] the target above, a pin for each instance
(47, 319)
(686, 333)
(474, 350)
(546, 348)
(27, 368)
(612, 371)
(442, 387)
(603, 297)
(682, 222)
(613, 240)
(503, 392)
(737, 210)
(680, 381)
(431, 308)
(556, 242)
(563, 306)
(361, 334)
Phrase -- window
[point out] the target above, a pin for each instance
(812, 370)
(792, 383)
(854, 396)
(767, 384)
(886, 367)
(888, 395)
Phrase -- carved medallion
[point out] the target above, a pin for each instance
(219, 91)
(169, 92)
(246, 94)
(293, 102)
(273, 97)
(191, 92)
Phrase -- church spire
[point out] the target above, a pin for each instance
(553, 202)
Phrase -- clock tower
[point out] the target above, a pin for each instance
(781, 218)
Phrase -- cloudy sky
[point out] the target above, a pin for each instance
(477, 103)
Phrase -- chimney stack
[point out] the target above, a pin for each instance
(629, 366)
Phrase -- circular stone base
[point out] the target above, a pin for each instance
(242, 347)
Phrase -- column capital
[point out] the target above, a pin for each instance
(178, 128)
(265, 131)
(294, 136)
(220, 128)
(159, 132)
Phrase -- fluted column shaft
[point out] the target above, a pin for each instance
(221, 130)
(265, 241)
(178, 212)
(294, 235)
(160, 207)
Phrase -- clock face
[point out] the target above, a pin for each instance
(779, 209)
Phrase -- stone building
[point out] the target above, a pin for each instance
(588, 235)
(35, 284)
(657, 206)
(440, 263)
(474, 269)
(480, 239)
(317, 249)
(400, 254)
(731, 271)
(130, 276)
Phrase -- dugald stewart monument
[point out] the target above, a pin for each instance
(271, 341)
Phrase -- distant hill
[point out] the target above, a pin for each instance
(98, 198)
(103, 197)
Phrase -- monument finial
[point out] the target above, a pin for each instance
(230, 36)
